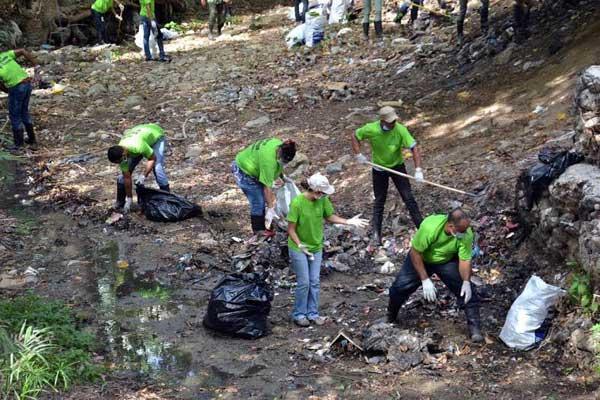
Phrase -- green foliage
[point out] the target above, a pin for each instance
(174, 26)
(41, 348)
(582, 293)
(596, 337)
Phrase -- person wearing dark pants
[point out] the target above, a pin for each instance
(485, 4)
(300, 15)
(521, 11)
(255, 170)
(100, 9)
(15, 81)
(388, 138)
(142, 141)
(442, 246)
(149, 23)
(414, 11)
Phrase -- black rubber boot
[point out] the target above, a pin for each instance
(459, 33)
(474, 324)
(377, 223)
(30, 134)
(484, 21)
(399, 17)
(18, 137)
(258, 223)
(394, 305)
(165, 188)
(365, 26)
(120, 196)
(378, 29)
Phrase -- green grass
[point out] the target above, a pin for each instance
(42, 349)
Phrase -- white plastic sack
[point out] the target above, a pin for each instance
(284, 196)
(139, 41)
(295, 36)
(169, 34)
(527, 313)
(314, 26)
(338, 10)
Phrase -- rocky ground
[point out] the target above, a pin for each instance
(480, 114)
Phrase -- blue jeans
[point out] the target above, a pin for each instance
(308, 285)
(147, 23)
(159, 165)
(252, 188)
(100, 26)
(18, 105)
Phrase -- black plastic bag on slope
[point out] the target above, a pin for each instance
(239, 306)
(552, 164)
(162, 206)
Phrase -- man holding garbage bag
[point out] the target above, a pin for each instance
(388, 138)
(442, 246)
(100, 9)
(255, 170)
(149, 23)
(307, 213)
(142, 141)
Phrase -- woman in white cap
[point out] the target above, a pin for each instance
(305, 242)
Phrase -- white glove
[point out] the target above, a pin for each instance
(127, 206)
(429, 290)
(270, 215)
(360, 158)
(419, 175)
(154, 26)
(287, 179)
(140, 179)
(358, 222)
(304, 249)
(466, 291)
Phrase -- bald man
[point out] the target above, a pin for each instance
(442, 246)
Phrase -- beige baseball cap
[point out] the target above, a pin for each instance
(320, 183)
(388, 114)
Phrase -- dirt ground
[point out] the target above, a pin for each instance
(474, 123)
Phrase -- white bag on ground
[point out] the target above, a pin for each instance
(139, 41)
(295, 36)
(314, 26)
(527, 314)
(338, 11)
(284, 196)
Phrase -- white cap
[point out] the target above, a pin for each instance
(388, 114)
(319, 183)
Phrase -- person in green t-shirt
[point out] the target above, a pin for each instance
(442, 246)
(305, 229)
(255, 170)
(387, 138)
(142, 141)
(149, 23)
(99, 10)
(15, 81)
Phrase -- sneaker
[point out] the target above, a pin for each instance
(302, 321)
(166, 59)
(319, 321)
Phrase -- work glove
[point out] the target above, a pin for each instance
(358, 222)
(127, 206)
(429, 290)
(304, 249)
(270, 215)
(466, 291)
(140, 179)
(287, 179)
(360, 158)
(153, 24)
(419, 175)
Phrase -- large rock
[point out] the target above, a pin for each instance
(258, 122)
(10, 34)
(587, 101)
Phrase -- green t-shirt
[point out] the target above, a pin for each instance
(139, 141)
(308, 217)
(259, 160)
(386, 146)
(11, 73)
(438, 247)
(143, 4)
(102, 6)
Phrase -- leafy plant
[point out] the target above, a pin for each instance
(596, 338)
(582, 293)
(41, 348)
(174, 26)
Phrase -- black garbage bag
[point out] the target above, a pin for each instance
(239, 306)
(552, 164)
(162, 206)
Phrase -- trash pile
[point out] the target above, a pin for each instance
(318, 15)
(162, 206)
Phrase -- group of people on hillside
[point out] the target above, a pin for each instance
(442, 244)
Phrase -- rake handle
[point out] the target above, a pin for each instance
(391, 171)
